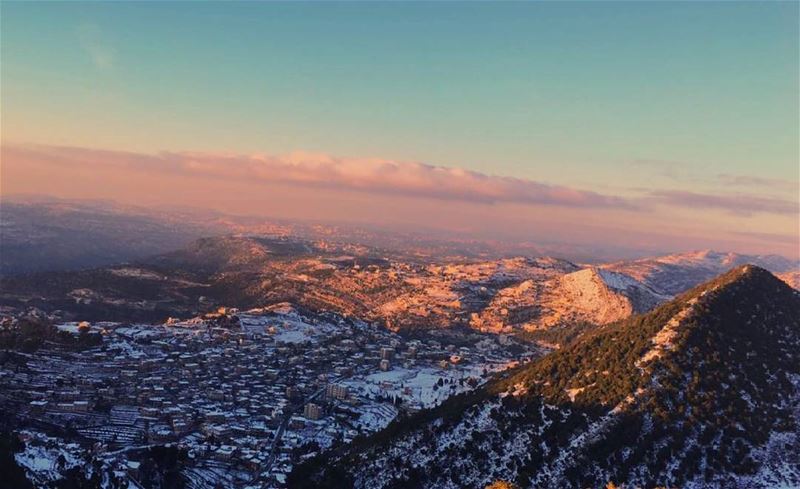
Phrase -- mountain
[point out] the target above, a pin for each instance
(598, 296)
(701, 392)
(549, 300)
(673, 274)
(792, 278)
(210, 272)
(64, 235)
(504, 295)
(234, 253)
(493, 295)
(590, 295)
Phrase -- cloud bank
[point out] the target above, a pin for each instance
(754, 181)
(384, 177)
(738, 204)
(325, 171)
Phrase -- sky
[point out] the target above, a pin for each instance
(662, 126)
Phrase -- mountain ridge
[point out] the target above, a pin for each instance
(699, 392)
(675, 273)
(547, 297)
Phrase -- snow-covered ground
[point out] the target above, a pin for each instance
(285, 325)
(45, 458)
(423, 387)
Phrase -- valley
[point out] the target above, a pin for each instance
(250, 361)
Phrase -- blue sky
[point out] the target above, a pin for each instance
(608, 97)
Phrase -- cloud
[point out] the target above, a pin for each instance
(738, 204)
(771, 237)
(674, 170)
(753, 181)
(91, 40)
(320, 170)
(685, 172)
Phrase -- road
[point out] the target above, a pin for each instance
(273, 452)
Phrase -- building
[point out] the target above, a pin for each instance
(386, 365)
(336, 391)
(312, 411)
(387, 353)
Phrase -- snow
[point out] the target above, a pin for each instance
(68, 327)
(41, 454)
(416, 387)
(584, 295)
(136, 273)
(663, 340)
(294, 330)
(288, 325)
(616, 280)
(376, 417)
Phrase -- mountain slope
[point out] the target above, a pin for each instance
(590, 295)
(792, 278)
(701, 392)
(673, 274)
(230, 253)
(251, 271)
(598, 296)
(68, 235)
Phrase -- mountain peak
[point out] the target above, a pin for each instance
(701, 391)
(747, 276)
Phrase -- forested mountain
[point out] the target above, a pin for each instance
(703, 391)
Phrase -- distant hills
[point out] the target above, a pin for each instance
(62, 235)
(703, 391)
(673, 274)
(532, 295)
(42, 233)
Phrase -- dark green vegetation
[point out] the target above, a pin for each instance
(28, 334)
(161, 467)
(602, 409)
(560, 336)
(99, 294)
(12, 474)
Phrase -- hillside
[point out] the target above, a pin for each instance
(792, 278)
(701, 392)
(510, 295)
(597, 296)
(588, 295)
(545, 299)
(68, 235)
(676, 273)
(252, 271)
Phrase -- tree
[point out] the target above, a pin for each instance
(13, 474)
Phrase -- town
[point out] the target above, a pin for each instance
(237, 397)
